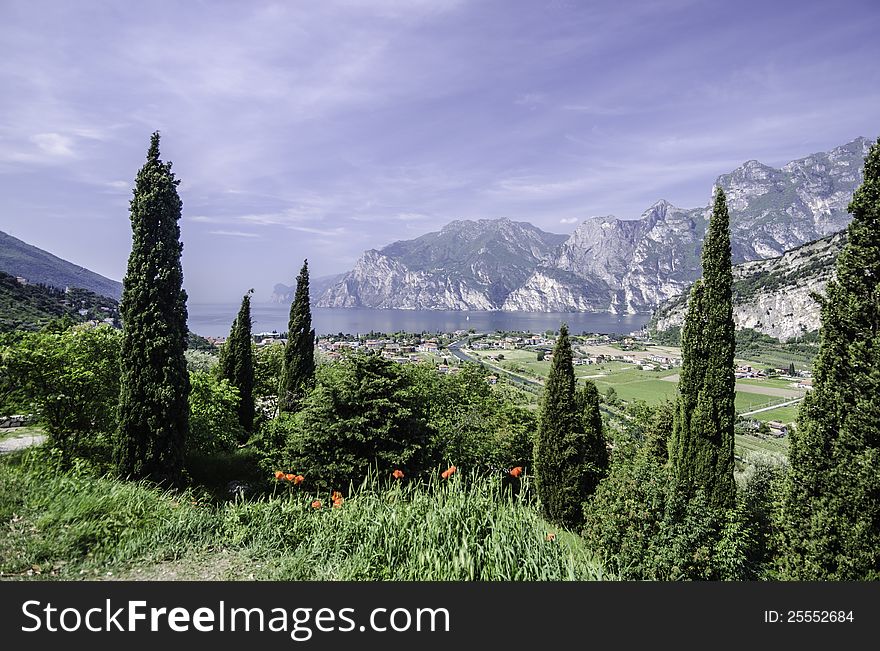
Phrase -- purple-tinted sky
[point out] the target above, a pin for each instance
(322, 128)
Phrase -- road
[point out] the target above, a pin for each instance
(455, 349)
(771, 407)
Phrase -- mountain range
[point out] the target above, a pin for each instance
(607, 264)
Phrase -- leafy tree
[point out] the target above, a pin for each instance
(237, 363)
(154, 393)
(611, 397)
(564, 467)
(298, 373)
(702, 449)
(70, 379)
(831, 512)
(361, 415)
(268, 364)
(214, 415)
(471, 425)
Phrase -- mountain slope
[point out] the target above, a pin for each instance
(773, 296)
(649, 260)
(29, 307)
(41, 267)
(468, 265)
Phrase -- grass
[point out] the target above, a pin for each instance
(67, 526)
(785, 415)
(652, 391)
(745, 444)
(746, 402)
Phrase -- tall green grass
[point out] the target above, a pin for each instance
(67, 525)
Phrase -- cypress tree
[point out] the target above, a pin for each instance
(594, 451)
(154, 391)
(702, 448)
(298, 371)
(237, 362)
(567, 457)
(831, 509)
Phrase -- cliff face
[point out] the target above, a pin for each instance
(647, 261)
(617, 265)
(773, 296)
(607, 264)
(469, 265)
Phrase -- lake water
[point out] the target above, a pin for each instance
(214, 320)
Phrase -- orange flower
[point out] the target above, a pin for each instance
(551, 537)
(316, 504)
(279, 474)
(335, 495)
(337, 502)
(397, 474)
(446, 474)
(298, 479)
(516, 472)
(290, 477)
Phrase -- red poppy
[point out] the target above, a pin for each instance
(298, 479)
(516, 472)
(446, 474)
(397, 474)
(335, 495)
(290, 477)
(316, 504)
(279, 474)
(337, 503)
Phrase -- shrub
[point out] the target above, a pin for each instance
(213, 405)
(70, 379)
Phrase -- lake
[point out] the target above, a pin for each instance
(214, 320)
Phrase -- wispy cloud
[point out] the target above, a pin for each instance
(234, 233)
(569, 220)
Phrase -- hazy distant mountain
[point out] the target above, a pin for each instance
(18, 258)
(773, 296)
(607, 264)
(468, 265)
(282, 293)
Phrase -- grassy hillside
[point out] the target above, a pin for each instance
(76, 526)
(29, 307)
(40, 267)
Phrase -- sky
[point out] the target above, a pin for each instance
(318, 129)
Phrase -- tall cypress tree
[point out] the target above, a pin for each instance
(702, 449)
(153, 401)
(298, 372)
(237, 362)
(831, 513)
(567, 460)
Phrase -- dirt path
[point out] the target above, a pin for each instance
(20, 441)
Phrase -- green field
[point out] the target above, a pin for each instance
(776, 383)
(745, 444)
(783, 414)
(631, 383)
